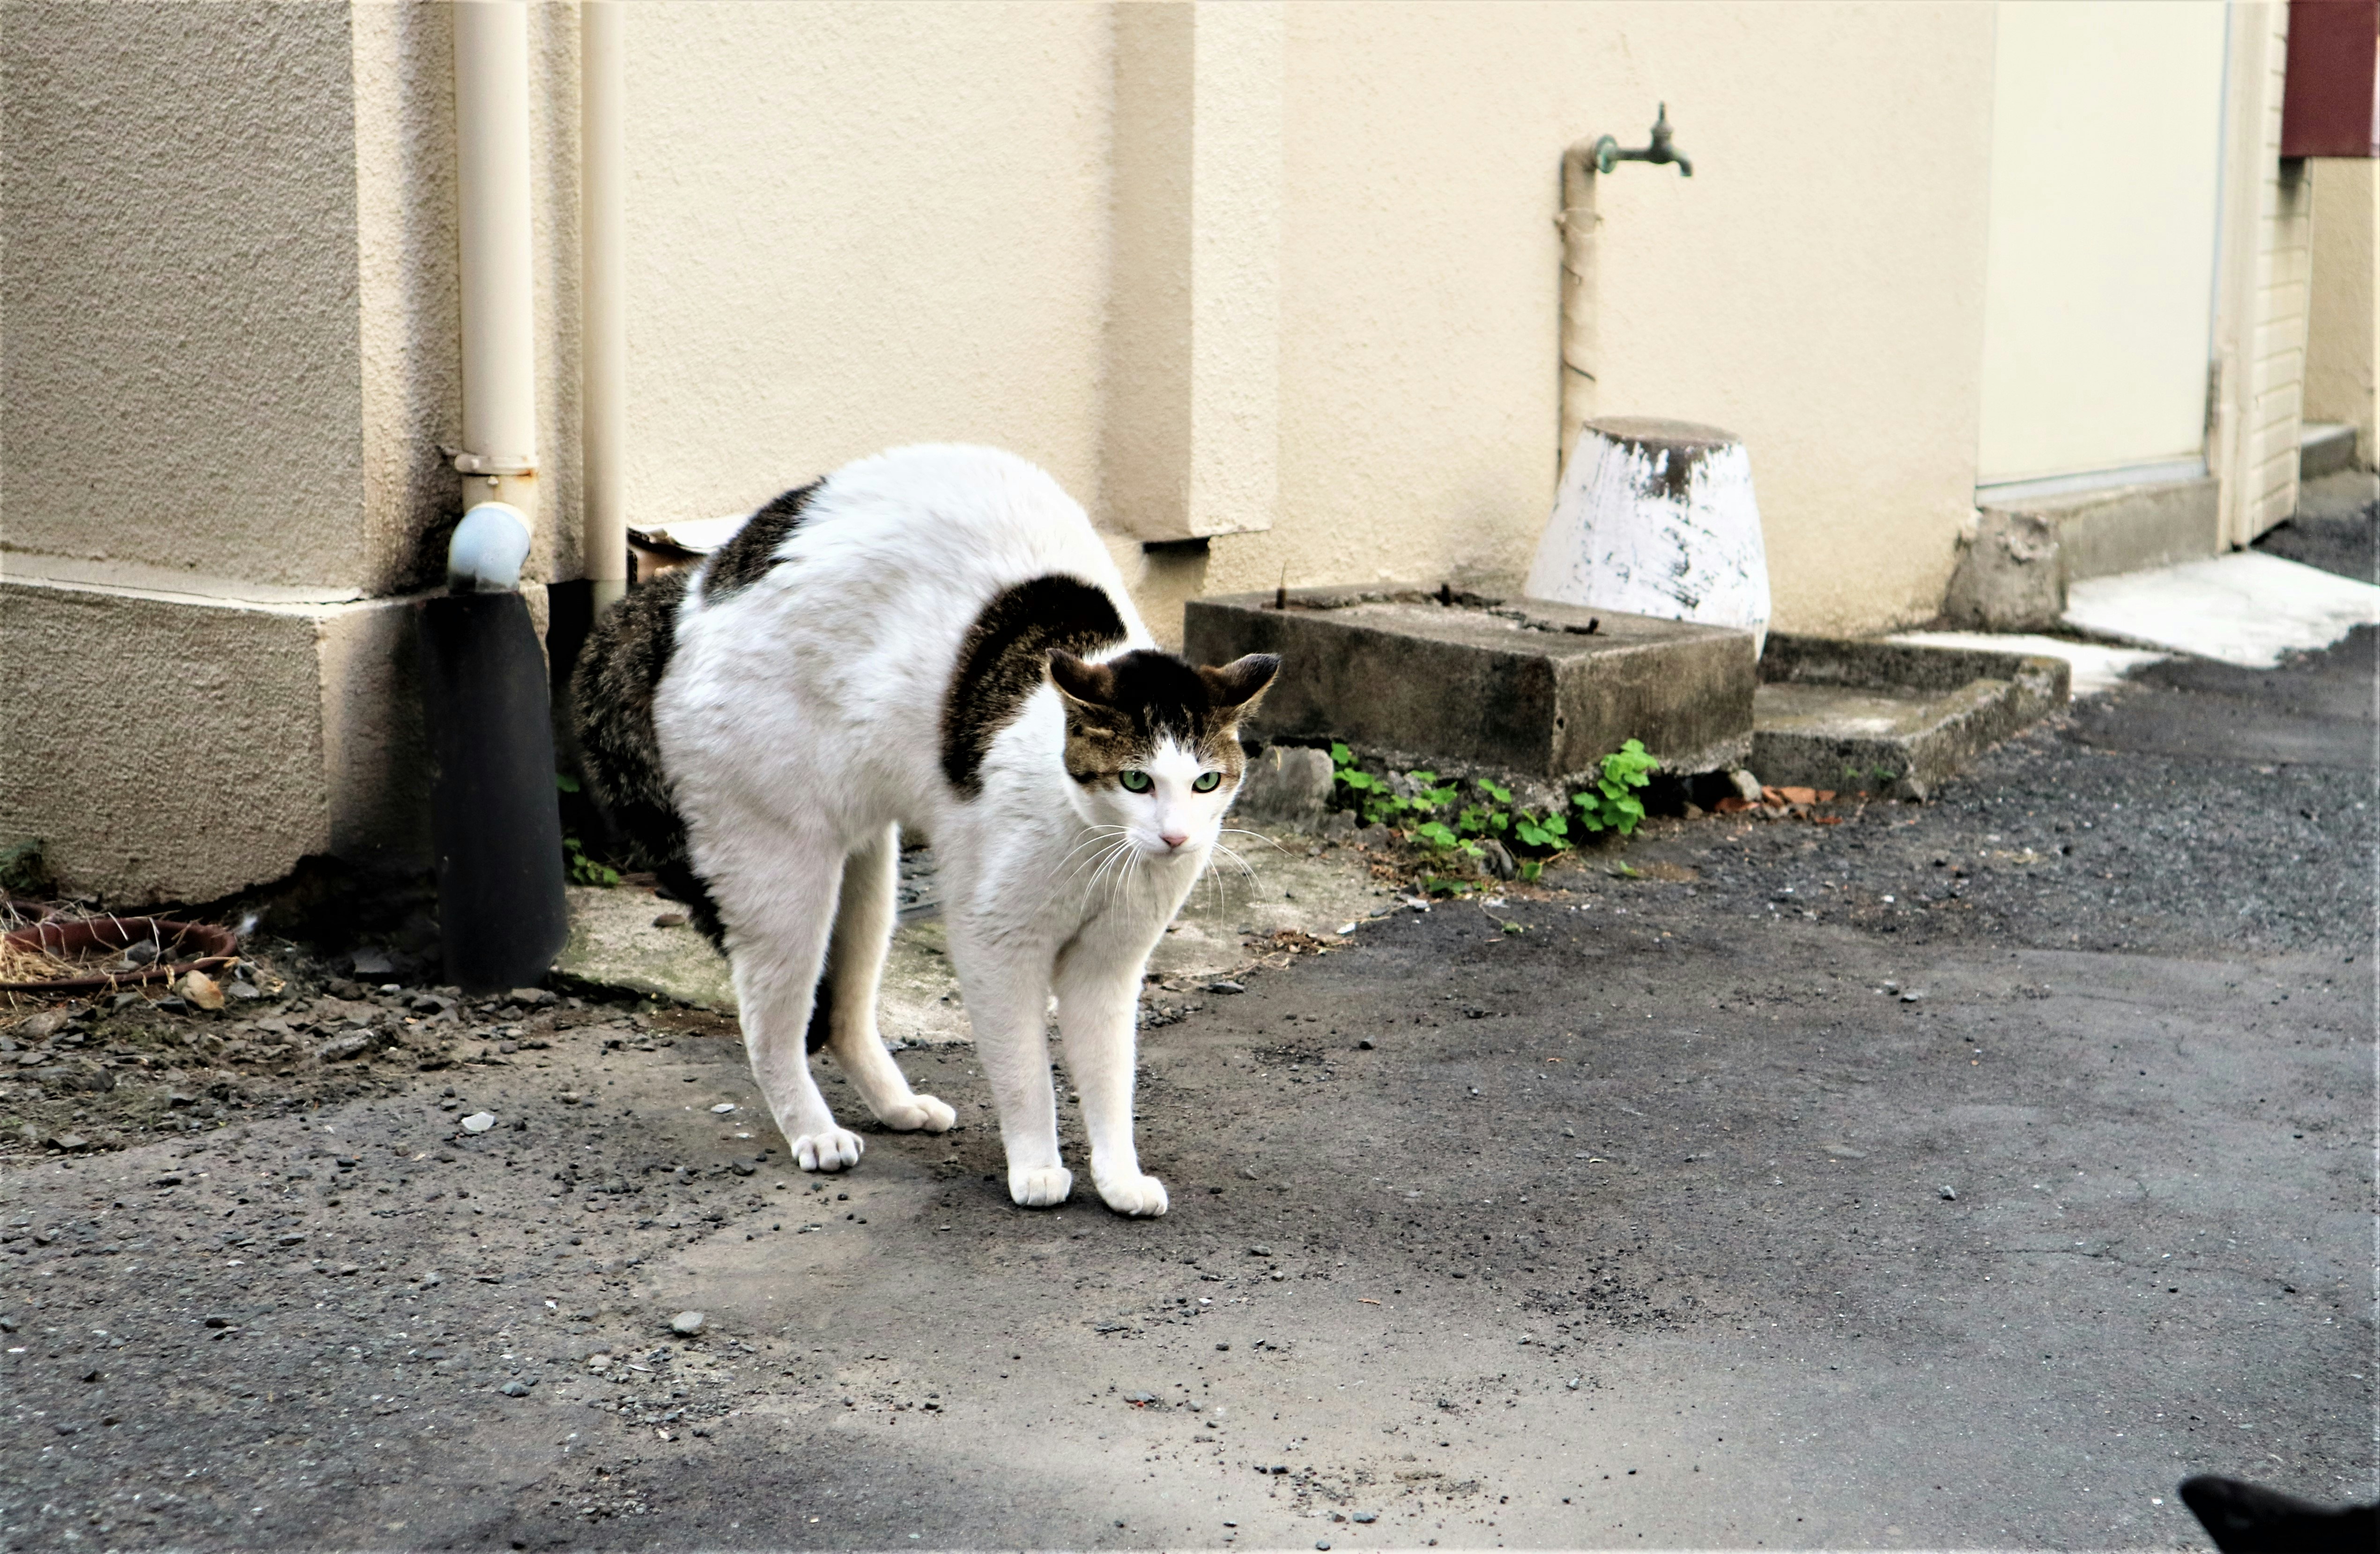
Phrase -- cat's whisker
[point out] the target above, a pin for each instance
(1243, 830)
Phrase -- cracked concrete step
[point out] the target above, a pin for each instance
(1869, 716)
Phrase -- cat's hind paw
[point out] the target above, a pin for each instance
(1141, 1196)
(830, 1149)
(920, 1113)
(1040, 1189)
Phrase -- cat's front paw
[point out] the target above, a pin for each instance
(918, 1114)
(830, 1149)
(1040, 1189)
(1141, 1196)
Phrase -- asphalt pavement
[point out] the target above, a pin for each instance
(1963, 1174)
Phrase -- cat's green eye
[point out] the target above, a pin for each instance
(1134, 782)
(1206, 782)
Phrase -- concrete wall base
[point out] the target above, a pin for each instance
(2013, 572)
(175, 737)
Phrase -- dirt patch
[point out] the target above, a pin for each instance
(93, 1075)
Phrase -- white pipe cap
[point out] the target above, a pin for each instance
(487, 549)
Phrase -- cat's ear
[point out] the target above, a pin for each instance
(1078, 681)
(1238, 686)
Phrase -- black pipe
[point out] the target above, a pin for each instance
(494, 820)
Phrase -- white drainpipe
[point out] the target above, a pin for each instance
(499, 456)
(604, 328)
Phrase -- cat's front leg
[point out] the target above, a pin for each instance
(1007, 996)
(1097, 1008)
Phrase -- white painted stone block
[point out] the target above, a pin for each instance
(1657, 517)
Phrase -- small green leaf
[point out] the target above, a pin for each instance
(1341, 754)
(565, 782)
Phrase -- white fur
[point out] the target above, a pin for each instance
(800, 724)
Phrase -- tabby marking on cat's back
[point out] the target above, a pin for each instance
(1005, 658)
(748, 556)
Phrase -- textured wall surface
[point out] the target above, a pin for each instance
(172, 753)
(1816, 287)
(178, 351)
(858, 224)
(2343, 334)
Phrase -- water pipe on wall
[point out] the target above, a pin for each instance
(1581, 163)
(603, 289)
(491, 168)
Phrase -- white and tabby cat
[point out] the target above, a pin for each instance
(931, 640)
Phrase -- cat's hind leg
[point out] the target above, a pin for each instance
(778, 909)
(863, 927)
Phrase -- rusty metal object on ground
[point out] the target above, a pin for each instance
(179, 948)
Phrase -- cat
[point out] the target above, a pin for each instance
(929, 642)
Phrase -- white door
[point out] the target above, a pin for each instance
(2106, 190)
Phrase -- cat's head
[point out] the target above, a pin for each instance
(1153, 744)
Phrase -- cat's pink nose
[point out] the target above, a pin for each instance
(1174, 839)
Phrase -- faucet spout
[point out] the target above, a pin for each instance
(1607, 154)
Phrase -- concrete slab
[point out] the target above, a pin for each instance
(2028, 552)
(2324, 448)
(2247, 609)
(1872, 715)
(1515, 685)
(2095, 667)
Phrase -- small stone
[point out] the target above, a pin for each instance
(295, 1238)
(1259, 1251)
(218, 1321)
(44, 1025)
(243, 990)
(670, 920)
(724, 1108)
(532, 998)
(1322, 1543)
(1248, 1171)
(69, 1141)
(1365, 1045)
(125, 1001)
(1572, 1383)
(1912, 996)
(1225, 987)
(354, 1044)
(513, 1390)
(201, 990)
(1364, 1516)
(479, 1121)
(1278, 1276)
(687, 1323)
(1949, 1193)
(431, 1280)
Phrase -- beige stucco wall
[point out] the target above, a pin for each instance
(178, 341)
(854, 225)
(1816, 286)
(2343, 336)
